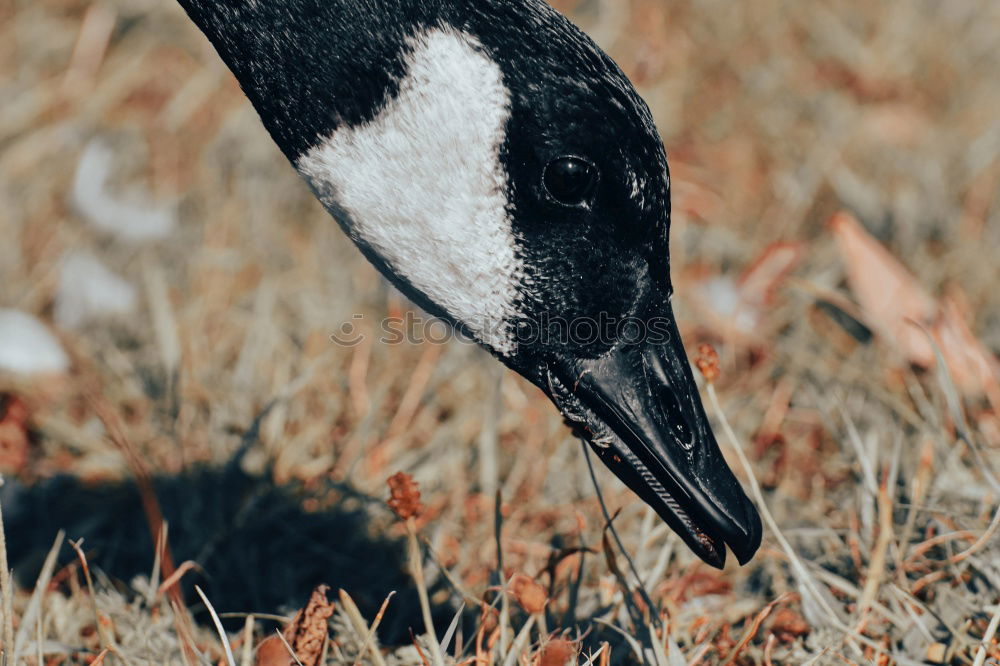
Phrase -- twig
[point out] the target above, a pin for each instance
(876, 565)
(291, 650)
(659, 653)
(519, 642)
(699, 656)
(7, 591)
(182, 624)
(452, 628)
(612, 563)
(165, 329)
(154, 576)
(176, 576)
(147, 494)
(937, 540)
(274, 617)
(628, 558)
(501, 579)
(632, 642)
(91, 45)
(417, 571)
(39, 655)
(361, 627)
(456, 584)
(754, 627)
(369, 642)
(569, 618)
(487, 441)
(106, 639)
(246, 658)
(868, 471)
(35, 604)
(991, 630)
(593, 657)
(918, 488)
(416, 644)
(768, 648)
(980, 542)
(230, 659)
(410, 401)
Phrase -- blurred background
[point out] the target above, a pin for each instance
(169, 288)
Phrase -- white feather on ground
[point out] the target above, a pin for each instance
(27, 346)
(88, 291)
(128, 215)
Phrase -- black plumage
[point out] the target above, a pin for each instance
(313, 67)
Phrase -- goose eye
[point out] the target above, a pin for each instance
(570, 180)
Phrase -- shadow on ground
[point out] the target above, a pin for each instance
(259, 550)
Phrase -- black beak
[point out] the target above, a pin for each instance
(638, 405)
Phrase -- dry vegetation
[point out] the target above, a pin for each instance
(268, 447)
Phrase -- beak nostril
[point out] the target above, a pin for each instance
(683, 434)
(675, 420)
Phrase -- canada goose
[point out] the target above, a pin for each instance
(503, 173)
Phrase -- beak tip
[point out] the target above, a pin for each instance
(749, 545)
(744, 557)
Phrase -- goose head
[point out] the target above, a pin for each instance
(501, 170)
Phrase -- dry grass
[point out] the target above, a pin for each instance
(776, 114)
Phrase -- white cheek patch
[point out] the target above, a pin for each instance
(422, 185)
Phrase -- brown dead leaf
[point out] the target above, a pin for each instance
(272, 652)
(789, 625)
(973, 367)
(888, 294)
(14, 415)
(903, 312)
(557, 652)
(307, 634)
(528, 593)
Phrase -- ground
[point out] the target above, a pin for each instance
(835, 170)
